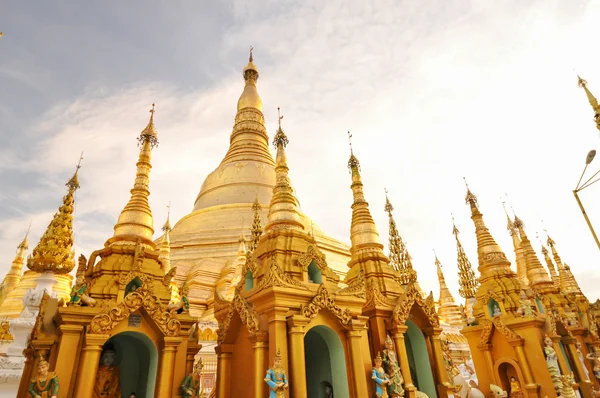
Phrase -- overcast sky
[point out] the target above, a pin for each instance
(432, 92)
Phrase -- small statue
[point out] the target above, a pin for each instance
(497, 311)
(191, 385)
(276, 378)
(526, 306)
(593, 356)
(497, 392)
(582, 361)
(108, 383)
(78, 296)
(328, 391)
(380, 378)
(183, 305)
(44, 384)
(566, 390)
(515, 388)
(552, 363)
(392, 368)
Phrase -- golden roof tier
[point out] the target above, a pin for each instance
(238, 191)
(13, 276)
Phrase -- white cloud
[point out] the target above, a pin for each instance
(475, 89)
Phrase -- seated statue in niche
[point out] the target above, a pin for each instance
(276, 378)
(526, 307)
(497, 311)
(78, 296)
(191, 385)
(515, 388)
(108, 381)
(44, 384)
(392, 369)
(380, 378)
(184, 304)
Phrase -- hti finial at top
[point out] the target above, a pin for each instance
(149, 133)
(73, 183)
(280, 137)
(353, 161)
(455, 230)
(388, 205)
(250, 59)
(279, 116)
(581, 82)
(470, 198)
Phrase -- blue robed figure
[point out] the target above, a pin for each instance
(380, 378)
(276, 378)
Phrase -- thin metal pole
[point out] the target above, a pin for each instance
(581, 178)
(586, 218)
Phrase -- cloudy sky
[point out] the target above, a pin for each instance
(432, 92)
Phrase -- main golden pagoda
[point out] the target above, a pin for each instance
(324, 311)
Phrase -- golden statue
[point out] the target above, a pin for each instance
(392, 368)
(276, 378)
(44, 384)
(515, 388)
(108, 383)
(526, 307)
(593, 356)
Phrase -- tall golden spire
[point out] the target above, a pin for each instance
(466, 276)
(536, 274)
(572, 285)
(563, 277)
(135, 221)
(399, 257)
(492, 260)
(13, 276)
(593, 101)
(283, 210)
(257, 228)
(54, 252)
(445, 295)
(520, 255)
(363, 232)
(550, 265)
(164, 251)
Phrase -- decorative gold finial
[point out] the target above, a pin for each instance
(167, 226)
(466, 276)
(250, 58)
(592, 100)
(280, 137)
(400, 259)
(257, 228)
(353, 162)
(149, 133)
(470, 198)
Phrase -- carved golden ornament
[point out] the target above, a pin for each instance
(486, 332)
(357, 288)
(247, 314)
(406, 302)
(146, 279)
(5, 335)
(312, 254)
(169, 277)
(374, 297)
(552, 324)
(323, 300)
(39, 320)
(142, 297)
(510, 334)
(224, 325)
(277, 277)
(494, 257)
(220, 301)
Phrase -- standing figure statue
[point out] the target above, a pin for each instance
(108, 381)
(593, 356)
(44, 384)
(552, 363)
(276, 378)
(191, 385)
(582, 361)
(380, 378)
(392, 368)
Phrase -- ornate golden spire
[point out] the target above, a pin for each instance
(572, 285)
(363, 232)
(399, 257)
(81, 266)
(563, 277)
(257, 229)
(283, 210)
(13, 276)
(250, 97)
(445, 295)
(593, 101)
(135, 221)
(492, 260)
(536, 274)
(520, 255)
(550, 265)
(242, 249)
(164, 252)
(54, 252)
(466, 276)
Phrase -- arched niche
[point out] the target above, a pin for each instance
(133, 285)
(137, 358)
(416, 347)
(325, 362)
(505, 368)
(491, 306)
(314, 273)
(249, 282)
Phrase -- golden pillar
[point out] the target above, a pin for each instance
(166, 366)
(562, 361)
(224, 354)
(584, 381)
(440, 366)
(88, 364)
(398, 336)
(296, 325)
(354, 337)
(260, 347)
(530, 385)
(489, 361)
(278, 334)
(27, 372)
(190, 356)
(66, 361)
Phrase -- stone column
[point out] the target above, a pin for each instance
(398, 336)
(66, 361)
(166, 366)
(224, 354)
(296, 324)
(88, 364)
(354, 336)
(260, 341)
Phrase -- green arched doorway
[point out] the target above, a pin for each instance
(325, 363)
(137, 358)
(418, 357)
